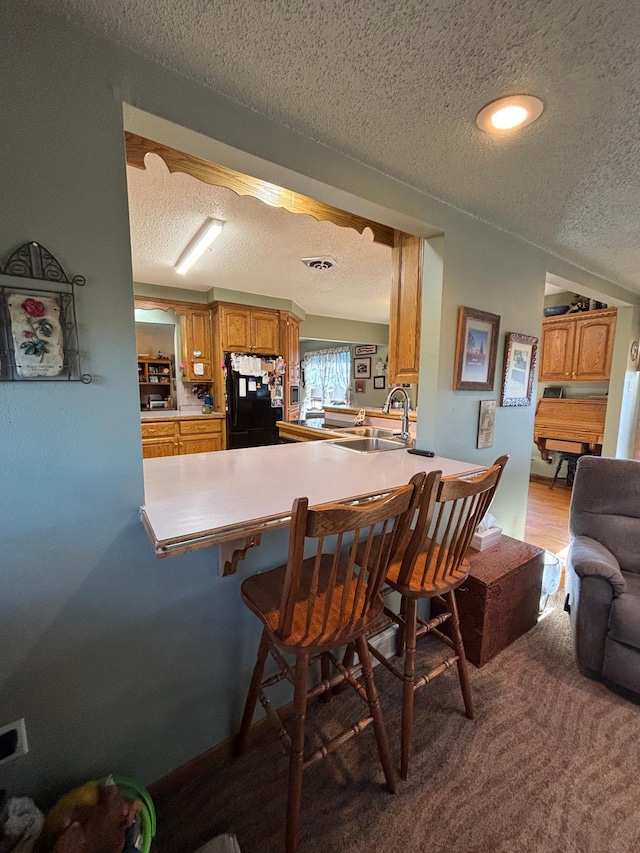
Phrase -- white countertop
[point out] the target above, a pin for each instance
(229, 493)
(171, 414)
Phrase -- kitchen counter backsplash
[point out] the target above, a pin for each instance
(167, 414)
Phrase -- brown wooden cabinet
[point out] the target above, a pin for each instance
(265, 332)
(578, 347)
(243, 328)
(159, 438)
(499, 600)
(290, 341)
(406, 308)
(176, 436)
(201, 436)
(197, 350)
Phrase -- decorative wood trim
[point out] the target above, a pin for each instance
(154, 303)
(211, 173)
(231, 553)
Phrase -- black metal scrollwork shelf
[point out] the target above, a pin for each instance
(38, 330)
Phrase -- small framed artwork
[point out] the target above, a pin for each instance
(378, 382)
(362, 368)
(476, 349)
(365, 349)
(361, 386)
(486, 423)
(520, 355)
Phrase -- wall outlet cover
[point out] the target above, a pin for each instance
(13, 741)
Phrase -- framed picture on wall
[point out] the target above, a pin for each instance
(361, 386)
(365, 349)
(378, 382)
(362, 368)
(476, 347)
(486, 423)
(520, 354)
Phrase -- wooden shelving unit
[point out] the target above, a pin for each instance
(155, 376)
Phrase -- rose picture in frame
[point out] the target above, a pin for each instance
(361, 386)
(362, 368)
(476, 348)
(520, 355)
(37, 335)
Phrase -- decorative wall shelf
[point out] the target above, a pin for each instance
(38, 330)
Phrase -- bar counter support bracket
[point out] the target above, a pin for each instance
(231, 553)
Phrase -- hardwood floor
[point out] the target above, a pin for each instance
(548, 517)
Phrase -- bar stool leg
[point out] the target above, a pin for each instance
(463, 671)
(376, 712)
(408, 688)
(252, 695)
(558, 467)
(296, 761)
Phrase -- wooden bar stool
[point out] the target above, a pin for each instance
(311, 607)
(432, 564)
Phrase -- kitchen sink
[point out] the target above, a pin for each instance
(370, 432)
(369, 444)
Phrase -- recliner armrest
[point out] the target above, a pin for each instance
(589, 558)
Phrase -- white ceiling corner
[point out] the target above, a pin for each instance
(397, 86)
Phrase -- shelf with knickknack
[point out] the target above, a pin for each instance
(155, 378)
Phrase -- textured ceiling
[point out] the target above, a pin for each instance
(259, 249)
(397, 85)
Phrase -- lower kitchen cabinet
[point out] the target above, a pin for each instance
(176, 436)
(201, 436)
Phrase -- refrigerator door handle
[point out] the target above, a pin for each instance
(234, 386)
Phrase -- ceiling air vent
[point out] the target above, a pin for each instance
(321, 264)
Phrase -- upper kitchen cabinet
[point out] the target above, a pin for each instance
(197, 350)
(406, 307)
(578, 347)
(265, 331)
(242, 328)
(290, 342)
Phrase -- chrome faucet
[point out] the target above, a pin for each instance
(405, 414)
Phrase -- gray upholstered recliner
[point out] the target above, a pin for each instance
(603, 569)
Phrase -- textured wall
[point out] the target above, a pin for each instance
(117, 661)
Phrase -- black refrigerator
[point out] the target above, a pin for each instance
(254, 386)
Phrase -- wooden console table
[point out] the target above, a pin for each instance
(499, 601)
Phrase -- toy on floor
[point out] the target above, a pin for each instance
(114, 815)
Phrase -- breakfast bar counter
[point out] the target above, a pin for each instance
(204, 499)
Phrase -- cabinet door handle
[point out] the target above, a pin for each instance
(567, 374)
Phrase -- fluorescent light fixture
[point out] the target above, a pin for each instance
(199, 244)
(509, 113)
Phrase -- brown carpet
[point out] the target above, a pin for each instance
(551, 763)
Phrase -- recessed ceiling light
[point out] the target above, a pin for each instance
(198, 245)
(510, 113)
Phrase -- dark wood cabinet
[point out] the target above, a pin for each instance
(500, 599)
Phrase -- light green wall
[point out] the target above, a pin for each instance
(120, 662)
(336, 329)
(221, 294)
(179, 294)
